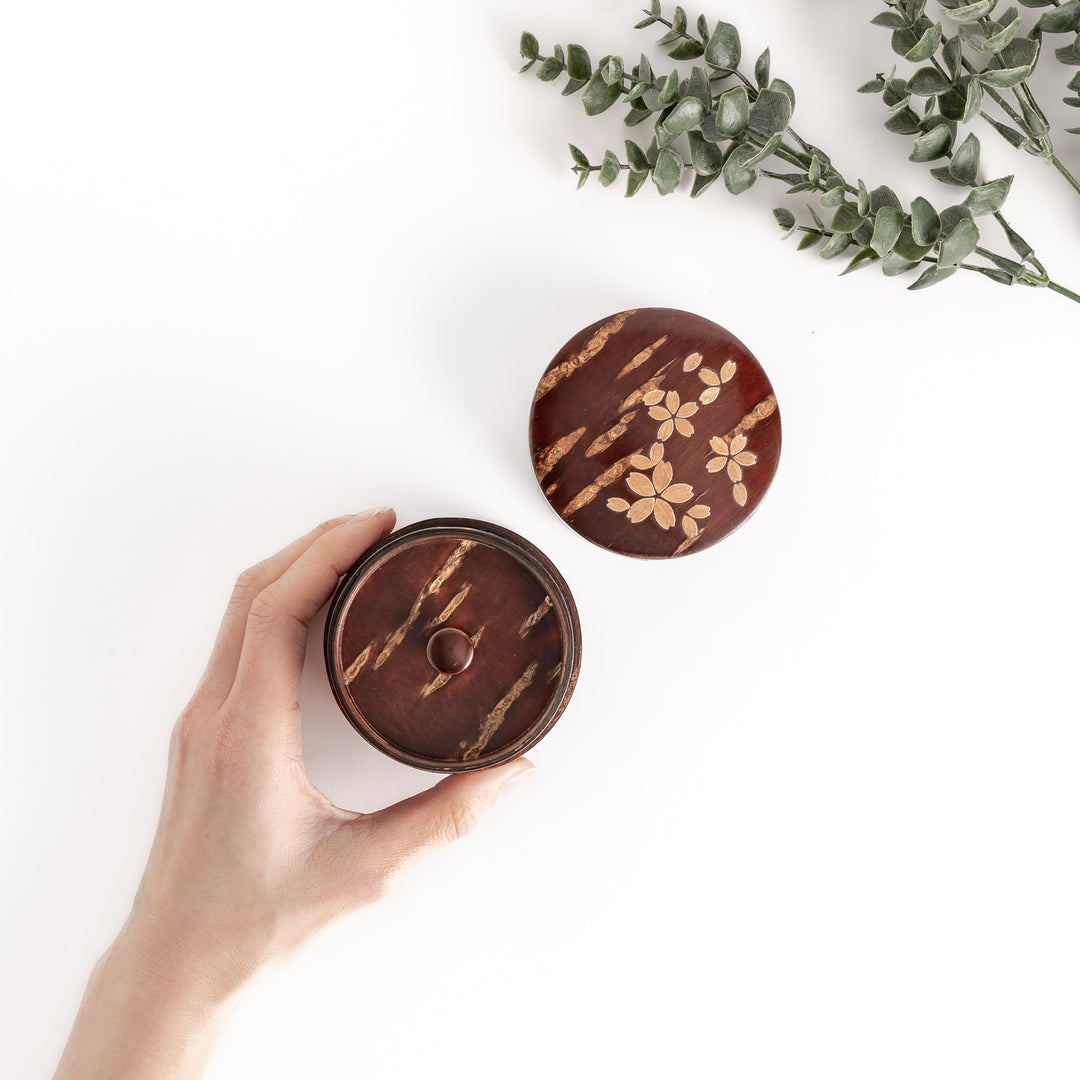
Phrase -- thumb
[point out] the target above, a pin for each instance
(386, 842)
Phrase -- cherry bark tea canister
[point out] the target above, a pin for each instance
(453, 644)
(654, 433)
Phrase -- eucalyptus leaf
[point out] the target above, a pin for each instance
(635, 157)
(610, 169)
(687, 50)
(770, 113)
(888, 222)
(761, 69)
(960, 243)
(724, 49)
(832, 197)
(908, 249)
(928, 81)
(702, 183)
(964, 164)
(969, 13)
(863, 204)
(1002, 78)
(578, 64)
(598, 96)
(670, 92)
(988, 198)
(634, 180)
(894, 264)
(925, 223)
(846, 219)
(529, 47)
(549, 70)
(932, 144)
(668, 171)
(784, 217)
(687, 114)
(1062, 20)
(836, 245)
(926, 46)
(809, 239)
(864, 257)
(973, 97)
(732, 112)
(932, 276)
(705, 157)
(737, 177)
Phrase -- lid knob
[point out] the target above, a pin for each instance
(449, 650)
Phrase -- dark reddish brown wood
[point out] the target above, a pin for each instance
(654, 433)
(453, 644)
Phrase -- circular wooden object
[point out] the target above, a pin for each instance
(453, 644)
(654, 433)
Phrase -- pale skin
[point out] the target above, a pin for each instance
(250, 859)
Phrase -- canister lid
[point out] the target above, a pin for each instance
(453, 644)
(654, 433)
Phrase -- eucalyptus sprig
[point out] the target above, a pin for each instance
(716, 122)
(983, 64)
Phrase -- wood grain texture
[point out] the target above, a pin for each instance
(430, 579)
(655, 433)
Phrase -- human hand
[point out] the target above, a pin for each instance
(249, 857)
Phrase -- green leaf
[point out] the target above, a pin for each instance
(598, 96)
(894, 264)
(836, 244)
(933, 144)
(573, 86)
(780, 87)
(932, 276)
(770, 113)
(927, 45)
(702, 183)
(671, 89)
(613, 72)
(969, 13)
(846, 219)
(705, 157)
(634, 180)
(761, 68)
(687, 50)
(668, 172)
(964, 165)
(832, 197)
(864, 257)
(1002, 78)
(891, 20)
(904, 122)
(609, 170)
(529, 47)
(724, 50)
(813, 174)
(907, 249)
(874, 86)
(925, 223)
(884, 196)
(988, 198)
(888, 222)
(809, 239)
(578, 64)
(578, 156)
(768, 149)
(737, 177)
(863, 203)
(697, 86)
(973, 98)
(550, 69)
(686, 115)
(996, 42)
(960, 243)
(732, 112)
(784, 217)
(1062, 20)
(928, 81)
(635, 157)
(952, 56)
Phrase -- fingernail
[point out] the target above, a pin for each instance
(367, 515)
(515, 774)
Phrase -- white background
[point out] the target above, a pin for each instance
(813, 809)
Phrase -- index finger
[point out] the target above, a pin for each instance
(272, 656)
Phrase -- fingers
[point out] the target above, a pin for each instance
(388, 841)
(272, 653)
(220, 671)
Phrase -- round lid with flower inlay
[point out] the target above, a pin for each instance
(654, 433)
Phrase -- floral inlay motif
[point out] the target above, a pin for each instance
(672, 415)
(691, 518)
(656, 494)
(734, 457)
(713, 381)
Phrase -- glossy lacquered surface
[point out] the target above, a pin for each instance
(654, 432)
(452, 645)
